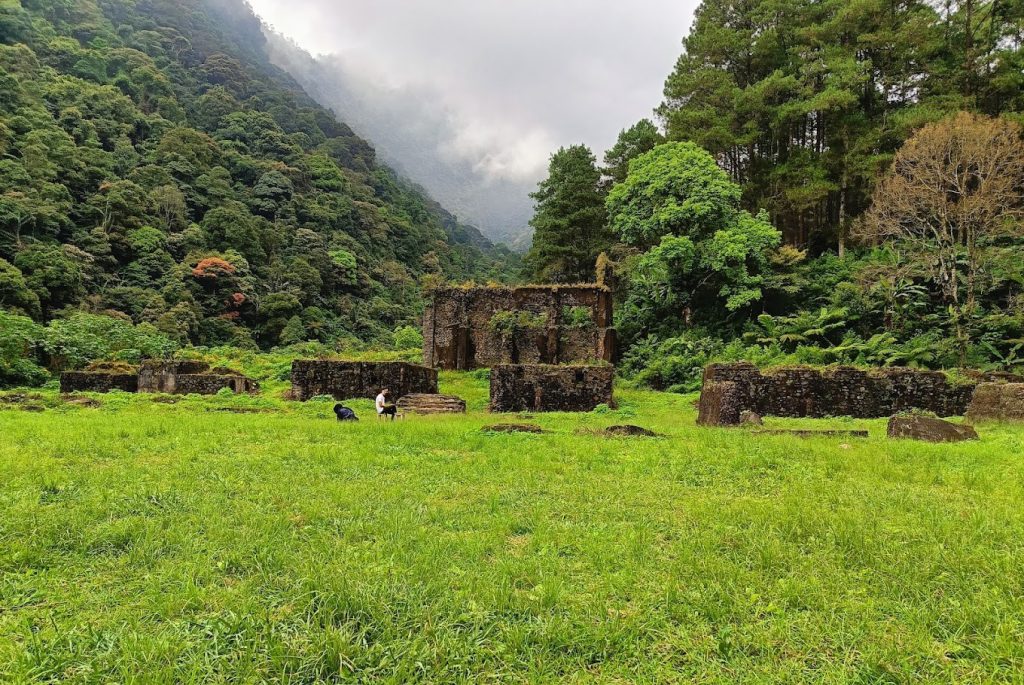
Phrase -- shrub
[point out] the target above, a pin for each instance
(577, 317)
(22, 373)
(346, 266)
(408, 338)
(677, 364)
(19, 342)
(508, 322)
(81, 338)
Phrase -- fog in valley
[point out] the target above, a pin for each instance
(469, 99)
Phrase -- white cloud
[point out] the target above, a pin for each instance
(519, 77)
(497, 85)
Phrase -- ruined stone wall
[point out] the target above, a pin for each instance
(351, 380)
(721, 404)
(81, 381)
(211, 384)
(190, 378)
(543, 388)
(844, 391)
(997, 402)
(162, 376)
(457, 329)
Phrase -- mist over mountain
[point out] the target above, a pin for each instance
(156, 168)
(415, 133)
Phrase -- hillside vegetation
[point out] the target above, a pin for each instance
(825, 182)
(155, 167)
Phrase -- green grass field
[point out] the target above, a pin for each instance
(250, 540)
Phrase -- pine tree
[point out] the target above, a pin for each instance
(570, 222)
(804, 104)
(642, 137)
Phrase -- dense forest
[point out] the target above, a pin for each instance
(832, 182)
(805, 104)
(159, 177)
(829, 182)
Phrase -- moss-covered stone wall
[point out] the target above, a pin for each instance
(544, 388)
(346, 380)
(458, 330)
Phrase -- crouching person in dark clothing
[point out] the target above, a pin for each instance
(344, 413)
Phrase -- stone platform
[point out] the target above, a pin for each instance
(419, 403)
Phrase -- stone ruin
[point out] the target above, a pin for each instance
(431, 404)
(191, 378)
(352, 380)
(553, 324)
(169, 377)
(546, 388)
(730, 389)
(997, 402)
(928, 429)
(98, 381)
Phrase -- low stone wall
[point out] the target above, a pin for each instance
(82, 381)
(190, 378)
(162, 376)
(432, 404)
(844, 391)
(997, 402)
(211, 384)
(542, 388)
(351, 380)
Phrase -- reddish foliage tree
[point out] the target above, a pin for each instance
(956, 189)
(213, 268)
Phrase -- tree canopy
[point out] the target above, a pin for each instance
(804, 104)
(140, 141)
(703, 255)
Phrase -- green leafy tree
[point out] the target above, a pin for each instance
(233, 227)
(15, 293)
(271, 193)
(20, 338)
(54, 274)
(293, 332)
(82, 338)
(170, 207)
(704, 258)
(676, 189)
(408, 338)
(276, 311)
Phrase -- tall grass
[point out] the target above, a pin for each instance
(183, 543)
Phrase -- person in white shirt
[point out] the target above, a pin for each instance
(384, 408)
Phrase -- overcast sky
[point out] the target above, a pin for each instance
(515, 78)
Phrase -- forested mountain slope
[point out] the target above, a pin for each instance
(153, 163)
(414, 138)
